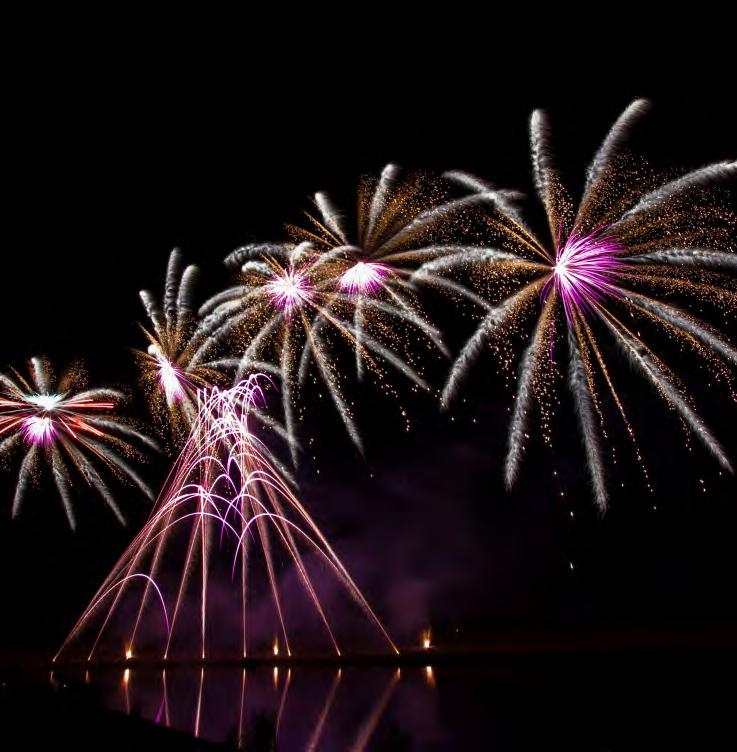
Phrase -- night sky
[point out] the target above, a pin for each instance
(112, 165)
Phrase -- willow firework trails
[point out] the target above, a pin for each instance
(630, 240)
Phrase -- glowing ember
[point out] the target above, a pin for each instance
(363, 277)
(290, 290)
(38, 430)
(583, 269)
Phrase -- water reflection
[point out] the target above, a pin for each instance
(292, 707)
(430, 677)
(578, 705)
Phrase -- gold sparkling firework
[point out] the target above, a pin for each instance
(66, 427)
(621, 263)
(171, 374)
(174, 369)
(298, 302)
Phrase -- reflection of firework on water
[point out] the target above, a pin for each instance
(171, 375)
(262, 707)
(223, 496)
(63, 426)
(632, 241)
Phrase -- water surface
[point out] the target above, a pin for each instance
(587, 703)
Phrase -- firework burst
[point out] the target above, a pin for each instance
(173, 368)
(401, 222)
(170, 376)
(297, 302)
(272, 316)
(633, 241)
(65, 427)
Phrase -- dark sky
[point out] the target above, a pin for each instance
(111, 162)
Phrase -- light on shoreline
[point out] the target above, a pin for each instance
(426, 639)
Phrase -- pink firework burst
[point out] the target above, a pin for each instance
(654, 241)
(38, 429)
(68, 427)
(584, 269)
(44, 417)
(364, 277)
(290, 290)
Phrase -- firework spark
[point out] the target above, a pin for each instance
(224, 497)
(65, 428)
(631, 241)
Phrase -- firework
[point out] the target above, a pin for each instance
(298, 302)
(633, 240)
(224, 498)
(67, 428)
(169, 376)
(401, 222)
(172, 368)
(273, 314)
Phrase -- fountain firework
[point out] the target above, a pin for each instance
(223, 500)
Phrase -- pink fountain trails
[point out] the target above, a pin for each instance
(225, 502)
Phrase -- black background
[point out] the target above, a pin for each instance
(113, 156)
